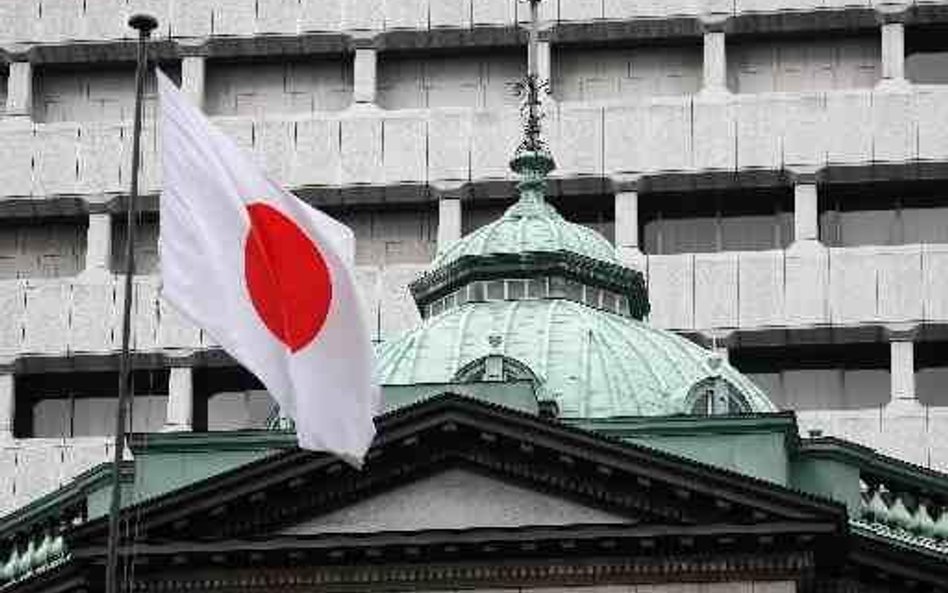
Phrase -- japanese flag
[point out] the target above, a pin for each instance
(268, 277)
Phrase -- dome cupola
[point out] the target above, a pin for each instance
(531, 252)
(534, 298)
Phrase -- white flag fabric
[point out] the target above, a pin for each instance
(268, 277)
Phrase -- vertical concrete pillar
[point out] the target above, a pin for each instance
(180, 399)
(715, 62)
(365, 74)
(98, 243)
(544, 59)
(893, 52)
(891, 19)
(20, 90)
(7, 405)
(192, 78)
(905, 431)
(806, 210)
(715, 54)
(902, 365)
(449, 220)
(627, 221)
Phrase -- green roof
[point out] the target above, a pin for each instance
(530, 225)
(529, 230)
(594, 364)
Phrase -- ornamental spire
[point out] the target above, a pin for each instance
(530, 89)
(532, 160)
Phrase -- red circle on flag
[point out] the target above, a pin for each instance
(287, 277)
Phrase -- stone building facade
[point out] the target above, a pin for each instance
(774, 168)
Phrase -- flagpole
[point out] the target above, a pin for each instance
(144, 24)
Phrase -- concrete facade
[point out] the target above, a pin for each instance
(397, 118)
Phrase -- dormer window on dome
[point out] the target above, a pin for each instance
(716, 396)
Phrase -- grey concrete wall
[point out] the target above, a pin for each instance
(621, 115)
(478, 81)
(905, 430)
(263, 89)
(146, 246)
(3, 92)
(393, 236)
(680, 134)
(747, 291)
(581, 74)
(766, 65)
(41, 249)
(82, 315)
(105, 19)
(33, 467)
(832, 287)
(74, 94)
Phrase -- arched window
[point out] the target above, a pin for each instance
(495, 367)
(716, 396)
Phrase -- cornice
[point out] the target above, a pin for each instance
(891, 470)
(444, 431)
(678, 568)
(190, 442)
(440, 282)
(782, 422)
(57, 504)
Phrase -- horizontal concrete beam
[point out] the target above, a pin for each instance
(450, 146)
(45, 319)
(798, 289)
(764, 294)
(67, 20)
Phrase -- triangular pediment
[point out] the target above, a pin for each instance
(454, 499)
(452, 463)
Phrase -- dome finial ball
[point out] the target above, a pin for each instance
(144, 23)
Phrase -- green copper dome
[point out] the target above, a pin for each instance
(533, 297)
(530, 225)
(594, 364)
(520, 232)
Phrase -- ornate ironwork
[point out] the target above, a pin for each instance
(529, 90)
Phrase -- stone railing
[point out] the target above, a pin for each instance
(61, 20)
(370, 146)
(33, 556)
(904, 511)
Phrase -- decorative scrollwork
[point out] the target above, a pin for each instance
(529, 90)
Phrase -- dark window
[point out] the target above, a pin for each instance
(230, 398)
(926, 54)
(42, 247)
(819, 376)
(712, 221)
(402, 234)
(883, 213)
(597, 212)
(146, 243)
(716, 397)
(931, 373)
(74, 404)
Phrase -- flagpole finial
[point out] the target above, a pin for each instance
(143, 23)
